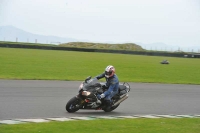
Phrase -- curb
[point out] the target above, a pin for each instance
(61, 119)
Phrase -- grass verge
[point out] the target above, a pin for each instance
(182, 125)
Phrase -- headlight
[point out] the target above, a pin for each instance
(86, 93)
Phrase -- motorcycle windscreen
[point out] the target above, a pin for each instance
(91, 85)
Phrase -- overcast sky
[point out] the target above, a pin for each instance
(174, 22)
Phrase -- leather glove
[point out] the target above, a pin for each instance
(104, 87)
(100, 96)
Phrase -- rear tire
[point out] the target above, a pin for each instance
(111, 109)
(72, 105)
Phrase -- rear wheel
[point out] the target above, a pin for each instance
(73, 105)
(111, 109)
(107, 109)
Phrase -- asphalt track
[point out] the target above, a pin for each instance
(42, 99)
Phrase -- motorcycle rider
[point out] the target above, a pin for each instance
(112, 83)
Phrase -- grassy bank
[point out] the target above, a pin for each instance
(68, 65)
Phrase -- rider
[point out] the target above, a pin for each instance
(112, 83)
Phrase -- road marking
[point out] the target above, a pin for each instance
(147, 116)
(82, 118)
(186, 116)
(130, 117)
(59, 119)
(168, 116)
(21, 121)
(10, 122)
(105, 117)
(33, 120)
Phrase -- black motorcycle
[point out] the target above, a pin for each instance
(87, 97)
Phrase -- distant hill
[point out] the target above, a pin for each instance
(125, 46)
(159, 46)
(13, 34)
(10, 33)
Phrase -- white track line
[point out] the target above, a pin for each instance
(20, 121)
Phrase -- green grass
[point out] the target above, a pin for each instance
(182, 125)
(70, 65)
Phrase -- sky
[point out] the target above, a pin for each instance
(173, 22)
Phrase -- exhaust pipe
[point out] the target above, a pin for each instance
(123, 97)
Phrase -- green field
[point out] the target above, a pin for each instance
(70, 65)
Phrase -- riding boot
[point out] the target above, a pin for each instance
(108, 105)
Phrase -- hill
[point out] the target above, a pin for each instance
(125, 46)
(13, 34)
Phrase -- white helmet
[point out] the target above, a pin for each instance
(109, 71)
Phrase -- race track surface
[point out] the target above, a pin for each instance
(41, 99)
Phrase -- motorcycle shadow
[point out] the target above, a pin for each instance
(94, 113)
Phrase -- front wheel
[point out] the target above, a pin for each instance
(72, 105)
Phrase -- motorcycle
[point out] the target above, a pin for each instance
(87, 96)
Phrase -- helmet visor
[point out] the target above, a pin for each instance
(108, 73)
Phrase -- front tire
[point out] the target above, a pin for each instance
(72, 105)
